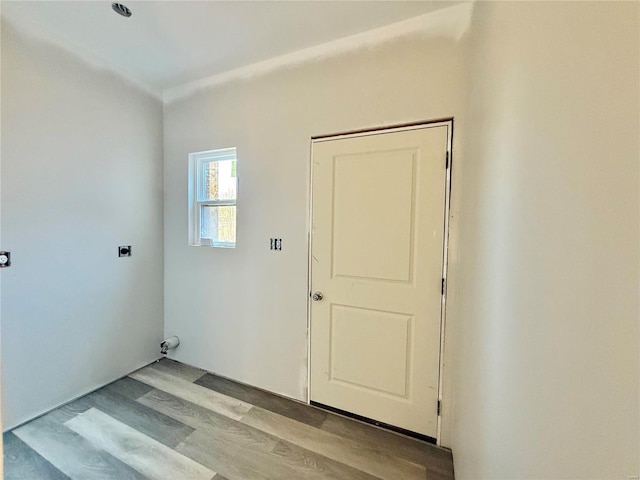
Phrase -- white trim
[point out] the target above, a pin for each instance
(380, 131)
(445, 269)
(309, 265)
(447, 213)
(195, 202)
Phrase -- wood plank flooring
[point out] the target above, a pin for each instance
(170, 421)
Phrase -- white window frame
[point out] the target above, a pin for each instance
(197, 161)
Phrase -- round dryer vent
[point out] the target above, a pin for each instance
(121, 9)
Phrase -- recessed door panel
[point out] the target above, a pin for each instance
(373, 224)
(370, 349)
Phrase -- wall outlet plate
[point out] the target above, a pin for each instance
(275, 244)
(124, 251)
(5, 259)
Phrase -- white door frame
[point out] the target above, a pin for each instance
(445, 250)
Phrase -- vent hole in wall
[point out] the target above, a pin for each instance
(121, 9)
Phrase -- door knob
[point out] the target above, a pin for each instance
(317, 296)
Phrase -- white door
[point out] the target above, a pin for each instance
(377, 256)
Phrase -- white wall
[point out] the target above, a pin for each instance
(81, 174)
(543, 292)
(243, 313)
(544, 287)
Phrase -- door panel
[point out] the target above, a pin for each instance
(370, 349)
(377, 252)
(361, 181)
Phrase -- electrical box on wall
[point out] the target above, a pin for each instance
(5, 259)
(275, 244)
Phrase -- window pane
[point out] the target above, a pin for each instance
(219, 180)
(218, 224)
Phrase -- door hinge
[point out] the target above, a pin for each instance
(439, 407)
(446, 161)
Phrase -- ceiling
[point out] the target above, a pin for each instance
(168, 43)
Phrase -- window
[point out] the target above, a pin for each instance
(213, 190)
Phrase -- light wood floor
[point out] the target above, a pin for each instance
(170, 421)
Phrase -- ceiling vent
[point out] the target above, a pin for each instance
(121, 9)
